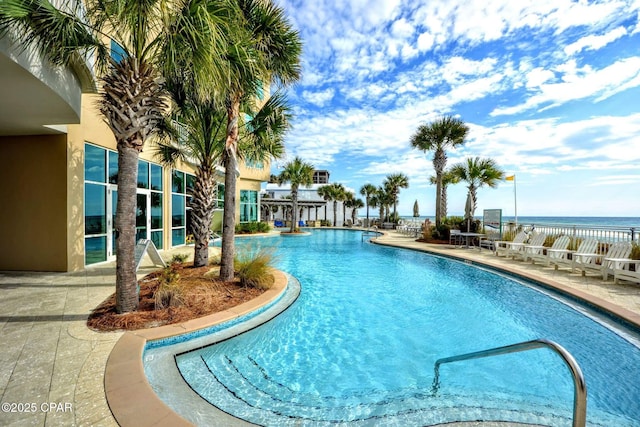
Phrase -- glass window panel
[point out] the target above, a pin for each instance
(156, 238)
(191, 183)
(177, 211)
(95, 209)
(220, 197)
(95, 163)
(117, 52)
(141, 217)
(143, 174)
(156, 210)
(95, 250)
(177, 182)
(113, 167)
(156, 177)
(177, 237)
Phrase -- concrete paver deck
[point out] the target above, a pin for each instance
(52, 366)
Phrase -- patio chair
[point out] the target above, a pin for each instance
(454, 237)
(600, 263)
(622, 270)
(537, 241)
(586, 247)
(557, 249)
(504, 245)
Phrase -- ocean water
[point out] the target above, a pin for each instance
(587, 221)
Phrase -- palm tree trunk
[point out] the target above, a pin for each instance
(229, 216)
(335, 213)
(125, 226)
(202, 213)
(294, 208)
(367, 212)
(444, 201)
(344, 214)
(439, 163)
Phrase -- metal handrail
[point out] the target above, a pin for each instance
(579, 385)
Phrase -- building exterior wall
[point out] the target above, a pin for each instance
(33, 212)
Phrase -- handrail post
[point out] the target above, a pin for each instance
(579, 384)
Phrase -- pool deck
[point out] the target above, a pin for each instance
(53, 366)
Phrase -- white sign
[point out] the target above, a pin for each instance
(148, 247)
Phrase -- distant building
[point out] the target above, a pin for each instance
(320, 177)
(275, 201)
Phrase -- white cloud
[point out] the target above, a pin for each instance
(319, 98)
(593, 42)
(580, 84)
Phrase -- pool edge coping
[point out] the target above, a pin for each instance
(129, 395)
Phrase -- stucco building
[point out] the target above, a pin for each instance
(60, 172)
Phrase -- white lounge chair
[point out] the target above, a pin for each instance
(536, 241)
(602, 263)
(504, 245)
(557, 249)
(622, 270)
(586, 247)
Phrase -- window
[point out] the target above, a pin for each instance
(143, 174)
(95, 204)
(220, 197)
(156, 206)
(100, 199)
(181, 189)
(117, 51)
(248, 205)
(255, 164)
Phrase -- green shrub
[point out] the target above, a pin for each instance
(179, 259)
(635, 250)
(169, 292)
(253, 268)
(252, 227)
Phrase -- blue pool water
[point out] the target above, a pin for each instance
(359, 345)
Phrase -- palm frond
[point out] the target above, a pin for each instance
(59, 34)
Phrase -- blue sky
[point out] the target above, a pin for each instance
(550, 90)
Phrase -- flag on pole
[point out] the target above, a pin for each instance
(510, 178)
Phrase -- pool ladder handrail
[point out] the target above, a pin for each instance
(372, 231)
(579, 385)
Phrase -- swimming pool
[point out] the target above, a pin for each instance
(359, 344)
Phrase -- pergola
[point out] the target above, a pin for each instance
(286, 203)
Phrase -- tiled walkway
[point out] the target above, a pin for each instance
(52, 365)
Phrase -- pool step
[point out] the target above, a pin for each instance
(242, 388)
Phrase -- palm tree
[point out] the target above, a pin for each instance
(437, 137)
(298, 173)
(394, 183)
(477, 173)
(385, 200)
(265, 49)
(355, 204)
(368, 191)
(324, 192)
(201, 144)
(349, 197)
(153, 36)
(447, 179)
(336, 193)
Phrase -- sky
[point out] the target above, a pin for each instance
(550, 90)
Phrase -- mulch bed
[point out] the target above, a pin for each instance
(202, 293)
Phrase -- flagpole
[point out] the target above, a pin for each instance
(515, 200)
